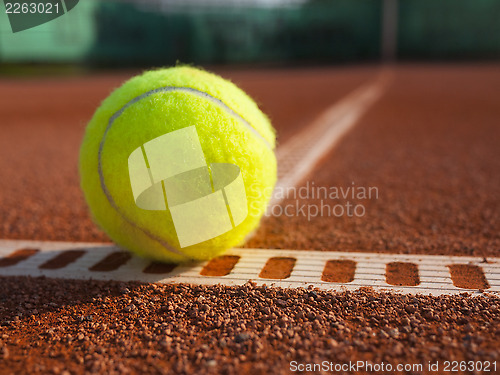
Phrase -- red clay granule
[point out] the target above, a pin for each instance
(277, 268)
(339, 271)
(402, 274)
(220, 266)
(468, 276)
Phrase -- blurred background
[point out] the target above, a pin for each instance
(143, 33)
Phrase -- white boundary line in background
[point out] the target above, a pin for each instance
(298, 156)
(370, 269)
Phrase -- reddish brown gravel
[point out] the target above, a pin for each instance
(77, 327)
(339, 271)
(220, 266)
(159, 268)
(112, 262)
(468, 276)
(277, 268)
(403, 274)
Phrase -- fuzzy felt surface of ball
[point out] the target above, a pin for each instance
(178, 164)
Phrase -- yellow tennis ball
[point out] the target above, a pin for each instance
(178, 164)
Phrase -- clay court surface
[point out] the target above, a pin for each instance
(429, 145)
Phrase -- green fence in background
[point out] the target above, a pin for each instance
(116, 33)
(449, 29)
(342, 30)
(65, 39)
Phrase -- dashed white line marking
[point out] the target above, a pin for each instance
(370, 268)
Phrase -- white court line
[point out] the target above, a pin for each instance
(370, 268)
(298, 156)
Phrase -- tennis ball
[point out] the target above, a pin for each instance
(178, 164)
